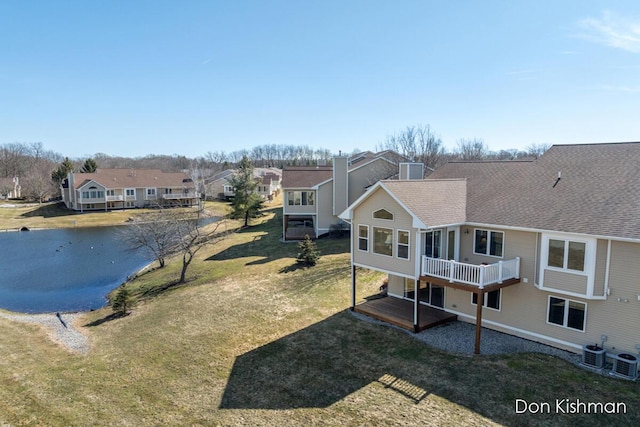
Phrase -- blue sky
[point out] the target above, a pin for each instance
(132, 78)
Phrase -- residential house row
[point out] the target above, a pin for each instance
(314, 196)
(268, 179)
(108, 189)
(547, 249)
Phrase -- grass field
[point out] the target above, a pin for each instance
(254, 339)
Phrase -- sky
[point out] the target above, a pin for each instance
(132, 78)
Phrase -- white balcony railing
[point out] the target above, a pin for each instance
(118, 198)
(471, 274)
(179, 196)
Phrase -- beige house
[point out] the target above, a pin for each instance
(314, 196)
(108, 189)
(10, 188)
(269, 183)
(548, 249)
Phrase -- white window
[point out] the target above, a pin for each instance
(433, 244)
(383, 214)
(363, 238)
(486, 242)
(567, 313)
(151, 192)
(300, 198)
(490, 299)
(566, 254)
(111, 192)
(403, 244)
(383, 241)
(130, 192)
(130, 204)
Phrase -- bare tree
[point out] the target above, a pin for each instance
(537, 150)
(418, 143)
(471, 149)
(192, 235)
(37, 184)
(156, 234)
(173, 231)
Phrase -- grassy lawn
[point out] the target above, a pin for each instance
(255, 340)
(55, 215)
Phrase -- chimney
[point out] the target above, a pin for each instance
(411, 171)
(340, 183)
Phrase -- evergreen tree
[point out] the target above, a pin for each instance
(309, 253)
(62, 171)
(246, 203)
(89, 166)
(123, 301)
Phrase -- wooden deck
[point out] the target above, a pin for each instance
(399, 312)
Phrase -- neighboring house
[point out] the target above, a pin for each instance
(268, 179)
(549, 247)
(108, 189)
(10, 188)
(314, 196)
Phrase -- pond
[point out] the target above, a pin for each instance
(64, 270)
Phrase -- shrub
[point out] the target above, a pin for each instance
(309, 253)
(123, 300)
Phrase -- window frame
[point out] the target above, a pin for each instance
(365, 239)
(490, 234)
(566, 256)
(566, 313)
(486, 299)
(427, 238)
(391, 244)
(399, 244)
(373, 214)
(132, 190)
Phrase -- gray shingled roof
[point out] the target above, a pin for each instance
(598, 193)
(434, 202)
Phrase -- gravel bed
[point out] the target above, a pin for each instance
(60, 328)
(459, 338)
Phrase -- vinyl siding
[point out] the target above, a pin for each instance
(360, 179)
(563, 281)
(402, 220)
(601, 268)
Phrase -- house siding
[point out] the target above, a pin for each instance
(601, 268)
(567, 282)
(401, 221)
(360, 179)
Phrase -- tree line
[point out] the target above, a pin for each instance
(41, 171)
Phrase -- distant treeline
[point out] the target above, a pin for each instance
(35, 166)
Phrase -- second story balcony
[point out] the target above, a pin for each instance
(470, 274)
(175, 196)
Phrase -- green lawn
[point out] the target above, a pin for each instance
(253, 339)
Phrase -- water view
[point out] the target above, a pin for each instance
(64, 269)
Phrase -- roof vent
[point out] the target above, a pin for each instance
(558, 180)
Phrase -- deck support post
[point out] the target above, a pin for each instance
(416, 307)
(353, 287)
(479, 320)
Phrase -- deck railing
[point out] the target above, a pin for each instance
(471, 274)
(179, 196)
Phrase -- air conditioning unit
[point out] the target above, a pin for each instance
(593, 356)
(625, 366)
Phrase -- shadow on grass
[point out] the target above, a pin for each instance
(322, 364)
(49, 211)
(312, 368)
(108, 318)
